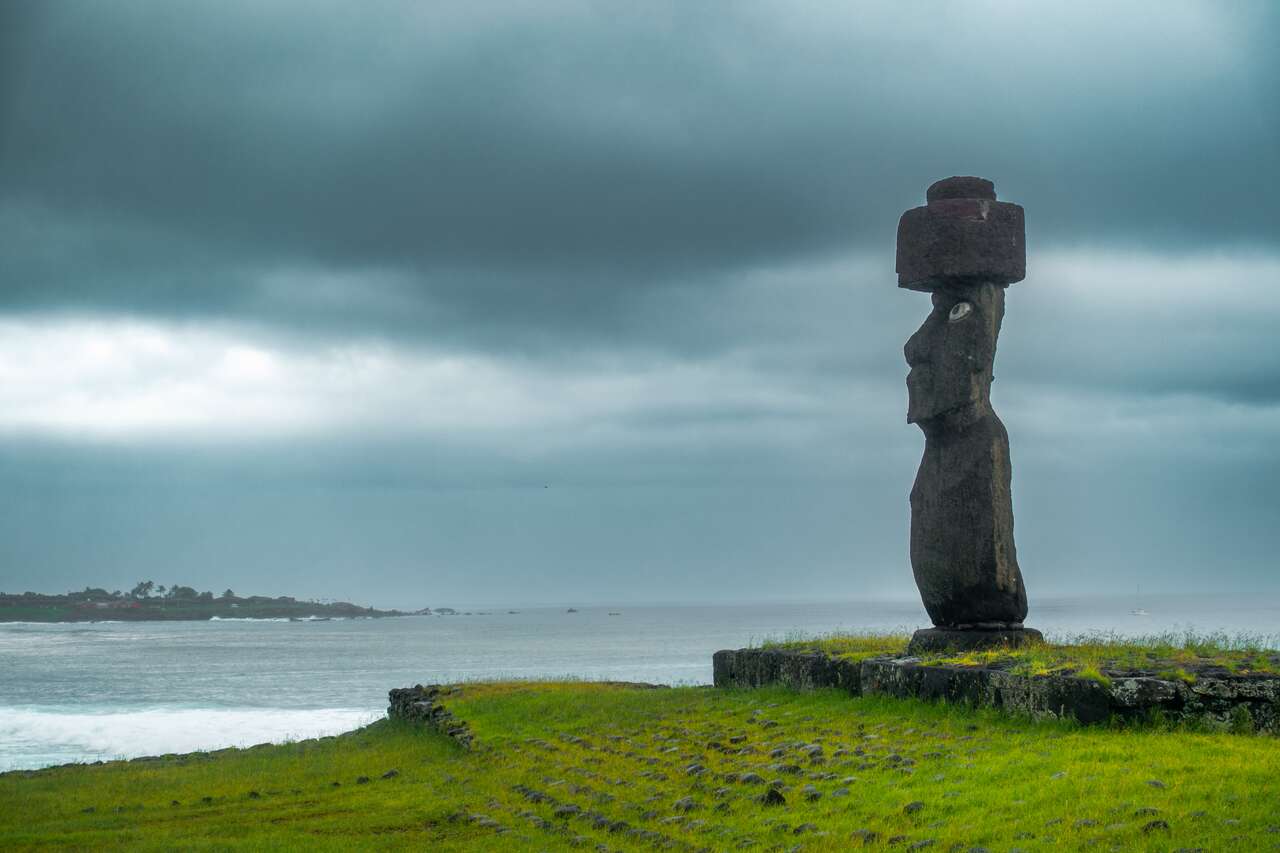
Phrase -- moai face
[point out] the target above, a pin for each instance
(952, 353)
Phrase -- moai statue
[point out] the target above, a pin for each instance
(963, 248)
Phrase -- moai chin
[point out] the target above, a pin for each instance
(963, 248)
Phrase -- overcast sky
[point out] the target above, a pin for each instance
(507, 303)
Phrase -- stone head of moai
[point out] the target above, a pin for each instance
(963, 248)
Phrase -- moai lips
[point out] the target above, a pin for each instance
(962, 235)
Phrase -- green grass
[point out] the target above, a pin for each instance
(849, 646)
(632, 755)
(1173, 656)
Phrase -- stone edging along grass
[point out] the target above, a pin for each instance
(1243, 702)
(425, 705)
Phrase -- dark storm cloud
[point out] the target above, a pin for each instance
(527, 165)
(596, 302)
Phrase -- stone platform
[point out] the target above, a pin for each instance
(1216, 696)
(968, 639)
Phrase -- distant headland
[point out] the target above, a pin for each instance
(147, 602)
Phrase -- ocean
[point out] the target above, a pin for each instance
(89, 691)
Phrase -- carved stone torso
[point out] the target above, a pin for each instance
(962, 551)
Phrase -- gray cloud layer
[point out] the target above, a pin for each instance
(612, 191)
(533, 160)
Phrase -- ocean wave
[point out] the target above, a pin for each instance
(248, 619)
(39, 737)
(311, 618)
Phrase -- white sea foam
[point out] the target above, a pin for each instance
(38, 737)
(248, 619)
(312, 618)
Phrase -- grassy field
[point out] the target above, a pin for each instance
(575, 766)
(1180, 656)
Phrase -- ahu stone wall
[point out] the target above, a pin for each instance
(425, 706)
(1216, 696)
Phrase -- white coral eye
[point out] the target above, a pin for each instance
(959, 311)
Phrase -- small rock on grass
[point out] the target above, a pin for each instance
(391, 774)
(1155, 826)
(362, 780)
(751, 778)
(773, 797)
(254, 795)
(1156, 783)
(913, 807)
(811, 793)
(866, 836)
(685, 804)
(922, 844)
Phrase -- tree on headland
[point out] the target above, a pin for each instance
(143, 589)
(228, 594)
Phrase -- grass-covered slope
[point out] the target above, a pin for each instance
(564, 766)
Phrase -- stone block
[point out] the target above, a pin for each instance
(963, 235)
(964, 640)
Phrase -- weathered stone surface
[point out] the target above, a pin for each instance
(801, 670)
(962, 235)
(962, 549)
(1216, 697)
(942, 639)
(966, 186)
(419, 704)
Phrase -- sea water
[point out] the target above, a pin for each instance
(89, 691)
